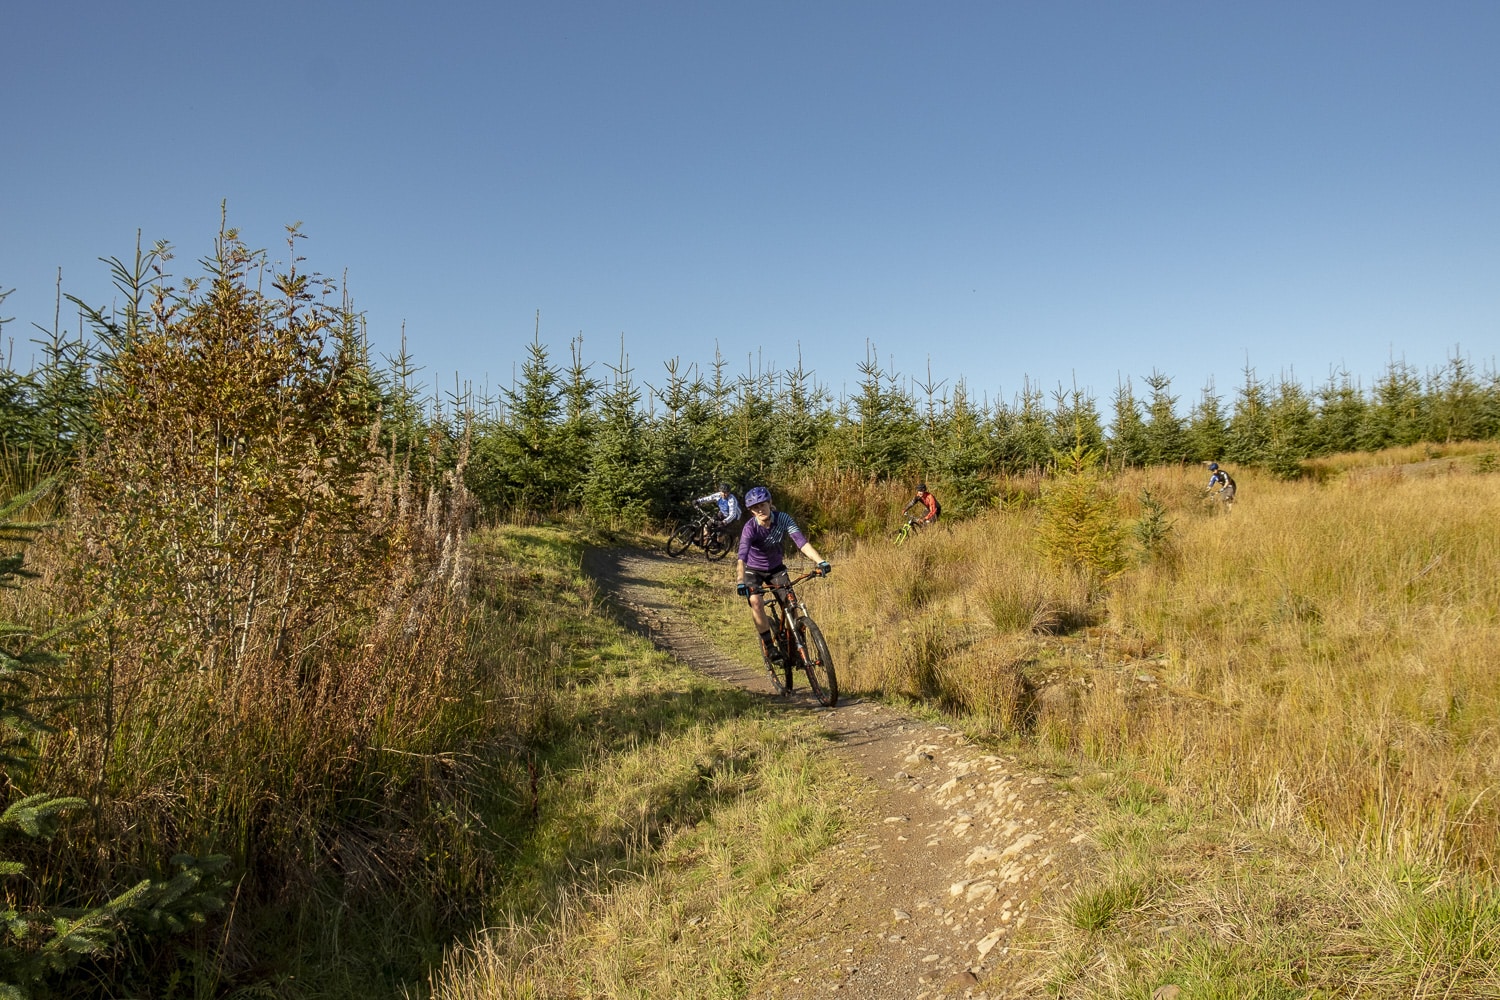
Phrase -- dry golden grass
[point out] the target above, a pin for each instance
(1423, 459)
(1349, 631)
(1320, 656)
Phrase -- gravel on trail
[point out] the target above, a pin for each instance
(947, 860)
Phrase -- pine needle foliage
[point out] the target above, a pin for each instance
(1166, 437)
(1129, 434)
(46, 414)
(1207, 427)
(624, 472)
(517, 461)
(1153, 529)
(965, 459)
(1081, 525)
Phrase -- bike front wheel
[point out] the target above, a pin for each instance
(716, 548)
(680, 540)
(818, 663)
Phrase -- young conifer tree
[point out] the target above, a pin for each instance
(1340, 412)
(752, 424)
(803, 420)
(524, 446)
(1489, 404)
(1166, 438)
(887, 428)
(1396, 415)
(575, 437)
(966, 456)
(1250, 424)
(1075, 417)
(1081, 526)
(1029, 440)
(622, 483)
(686, 471)
(1128, 441)
(1454, 411)
(1292, 428)
(1207, 429)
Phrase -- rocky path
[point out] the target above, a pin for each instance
(948, 857)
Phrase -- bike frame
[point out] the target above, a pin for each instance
(701, 532)
(787, 608)
(801, 642)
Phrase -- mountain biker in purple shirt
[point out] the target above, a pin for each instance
(761, 562)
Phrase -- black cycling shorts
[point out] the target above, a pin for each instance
(758, 578)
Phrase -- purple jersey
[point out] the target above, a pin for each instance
(760, 546)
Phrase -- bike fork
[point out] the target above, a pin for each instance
(796, 637)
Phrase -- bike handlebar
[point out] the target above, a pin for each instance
(787, 586)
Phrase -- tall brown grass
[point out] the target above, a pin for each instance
(1321, 656)
(270, 656)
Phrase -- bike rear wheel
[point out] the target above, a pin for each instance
(681, 540)
(818, 662)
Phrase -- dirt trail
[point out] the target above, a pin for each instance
(948, 856)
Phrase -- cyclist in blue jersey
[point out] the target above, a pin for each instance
(1224, 481)
(761, 561)
(729, 510)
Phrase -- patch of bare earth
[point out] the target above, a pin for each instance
(947, 860)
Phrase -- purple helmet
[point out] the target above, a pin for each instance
(757, 494)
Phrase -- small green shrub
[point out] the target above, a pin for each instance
(1081, 524)
(1153, 530)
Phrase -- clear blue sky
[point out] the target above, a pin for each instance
(1069, 190)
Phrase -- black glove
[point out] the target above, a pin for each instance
(742, 588)
(824, 569)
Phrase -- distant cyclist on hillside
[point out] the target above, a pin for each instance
(1223, 481)
(761, 561)
(929, 504)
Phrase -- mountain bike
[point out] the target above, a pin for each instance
(800, 642)
(907, 530)
(702, 531)
(1216, 502)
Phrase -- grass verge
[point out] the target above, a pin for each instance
(1218, 909)
(674, 817)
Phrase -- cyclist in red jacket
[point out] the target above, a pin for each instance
(928, 501)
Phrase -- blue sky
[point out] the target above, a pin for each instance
(1071, 191)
